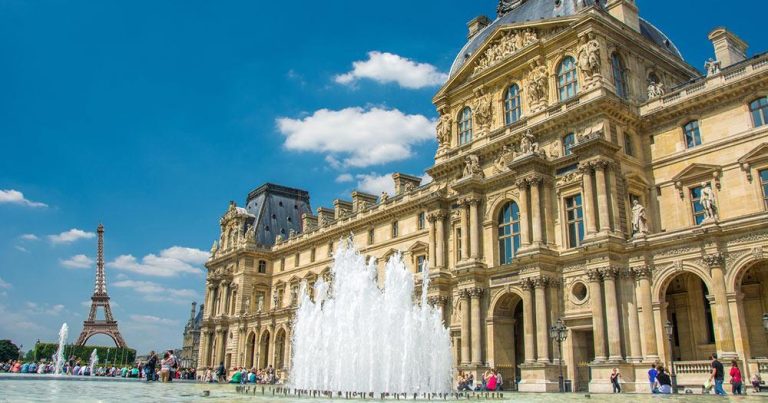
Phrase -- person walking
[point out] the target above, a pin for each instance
(756, 382)
(616, 380)
(149, 368)
(718, 375)
(165, 367)
(652, 376)
(173, 365)
(221, 373)
(736, 380)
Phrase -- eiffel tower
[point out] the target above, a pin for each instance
(100, 299)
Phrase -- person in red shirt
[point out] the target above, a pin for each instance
(736, 380)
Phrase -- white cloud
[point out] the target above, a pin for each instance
(29, 237)
(21, 249)
(33, 308)
(384, 67)
(357, 137)
(4, 284)
(426, 179)
(375, 184)
(344, 178)
(153, 319)
(171, 262)
(71, 236)
(15, 197)
(158, 293)
(77, 262)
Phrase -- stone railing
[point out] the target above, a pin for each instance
(691, 374)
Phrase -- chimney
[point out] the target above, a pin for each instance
(324, 216)
(192, 315)
(405, 183)
(308, 222)
(361, 201)
(341, 208)
(477, 24)
(625, 11)
(729, 48)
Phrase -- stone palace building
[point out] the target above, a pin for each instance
(585, 172)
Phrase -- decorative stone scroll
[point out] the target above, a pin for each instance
(506, 45)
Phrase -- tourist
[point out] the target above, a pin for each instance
(252, 375)
(149, 368)
(616, 380)
(652, 376)
(237, 377)
(756, 382)
(736, 381)
(499, 380)
(173, 365)
(165, 367)
(490, 383)
(718, 375)
(221, 373)
(663, 384)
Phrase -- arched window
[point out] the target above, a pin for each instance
(465, 126)
(619, 79)
(509, 232)
(512, 110)
(759, 110)
(567, 79)
(692, 134)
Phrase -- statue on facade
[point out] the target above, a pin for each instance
(554, 150)
(655, 89)
(250, 234)
(529, 36)
(589, 56)
(639, 220)
(384, 197)
(482, 111)
(444, 131)
(214, 249)
(712, 66)
(472, 166)
(260, 303)
(528, 144)
(505, 6)
(537, 85)
(505, 157)
(708, 203)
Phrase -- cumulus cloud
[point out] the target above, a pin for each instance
(357, 137)
(77, 262)
(4, 284)
(34, 308)
(70, 236)
(147, 319)
(344, 178)
(170, 262)
(29, 237)
(12, 196)
(384, 68)
(21, 249)
(155, 292)
(375, 184)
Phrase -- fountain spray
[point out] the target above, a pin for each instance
(59, 356)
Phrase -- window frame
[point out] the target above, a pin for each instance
(420, 261)
(262, 267)
(421, 220)
(395, 229)
(619, 76)
(464, 123)
(566, 149)
(567, 77)
(513, 107)
(696, 201)
(459, 252)
(755, 107)
(371, 236)
(575, 224)
(514, 232)
(692, 127)
(763, 185)
(629, 146)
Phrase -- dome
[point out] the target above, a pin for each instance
(536, 10)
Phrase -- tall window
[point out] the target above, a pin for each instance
(567, 79)
(395, 229)
(764, 184)
(692, 134)
(312, 255)
(574, 216)
(296, 260)
(422, 220)
(569, 140)
(421, 260)
(465, 126)
(371, 236)
(262, 266)
(698, 209)
(509, 232)
(628, 148)
(330, 249)
(512, 110)
(619, 80)
(759, 109)
(458, 244)
(282, 264)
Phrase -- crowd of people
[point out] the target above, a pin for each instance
(241, 375)
(491, 381)
(661, 381)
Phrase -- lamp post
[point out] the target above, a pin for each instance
(765, 321)
(670, 335)
(559, 332)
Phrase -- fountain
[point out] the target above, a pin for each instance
(59, 356)
(360, 338)
(94, 360)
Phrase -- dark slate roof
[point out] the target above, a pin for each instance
(537, 10)
(199, 318)
(277, 210)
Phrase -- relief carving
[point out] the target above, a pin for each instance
(505, 46)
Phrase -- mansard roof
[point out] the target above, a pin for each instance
(277, 210)
(533, 11)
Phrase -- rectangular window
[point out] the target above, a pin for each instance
(569, 140)
(692, 134)
(421, 260)
(330, 249)
(371, 236)
(312, 255)
(395, 229)
(698, 209)
(282, 264)
(764, 185)
(574, 216)
(628, 148)
(296, 260)
(262, 266)
(249, 262)
(422, 220)
(458, 243)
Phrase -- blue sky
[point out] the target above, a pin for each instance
(151, 116)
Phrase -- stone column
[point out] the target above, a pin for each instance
(224, 299)
(635, 351)
(476, 331)
(542, 323)
(726, 346)
(589, 201)
(536, 210)
(464, 229)
(202, 357)
(546, 192)
(465, 317)
(612, 314)
(643, 294)
(525, 239)
(613, 185)
(602, 196)
(218, 354)
(209, 300)
(529, 339)
(474, 231)
(432, 241)
(440, 239)
(598, 324)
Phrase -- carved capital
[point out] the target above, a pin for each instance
(541, 282)
(600, 164)
(642, 272)
(521, 183)
(714, 260)
(594, 275)
(437, 300)
(535, 181)
(610, 272)
(585, 168)
(526, 284)
(476, 292)
(464, 294)
(473, 200)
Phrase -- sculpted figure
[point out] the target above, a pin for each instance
(482, 113)
(639, 221)
(500, 163)
(384, 197)
(529, 36)
(472, 166)
(589, 56)
(444, 130)
(655, 89)
(214, 248)
(554, 150)
(537, 83)
(712, 66)
(528, 144)
(708, 203)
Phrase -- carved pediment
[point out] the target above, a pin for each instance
(758, 155)
(417, 246)
(697, 173)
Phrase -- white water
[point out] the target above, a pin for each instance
(359, 338)
(59, 356)
(94, 361)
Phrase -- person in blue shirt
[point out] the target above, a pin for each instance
(25, 368)
(652, 373)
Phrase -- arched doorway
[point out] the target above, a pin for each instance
(508, 340)
(280, 349)
(264, 350)
(250, 350)
(753, 289)
(690, 311)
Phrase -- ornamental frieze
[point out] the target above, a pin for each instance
(505, 46)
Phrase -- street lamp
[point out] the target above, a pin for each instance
(765, 321)
(670, 334)
(559, 332)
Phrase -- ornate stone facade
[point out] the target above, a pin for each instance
(597, 202)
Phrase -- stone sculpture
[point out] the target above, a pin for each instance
(708, 203)
(537, 85)
(528, 144)
(712, 67)
(472, 166)
(444, 131)
(655, 89)
(589, 56)
(483, 114)
(639, 220)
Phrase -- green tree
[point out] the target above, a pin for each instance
(8, 350)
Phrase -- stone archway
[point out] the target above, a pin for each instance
(505, 331)
(280, 340)
(751, 286)
(250, 350)
(264, 349)
(690, 310)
